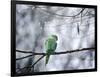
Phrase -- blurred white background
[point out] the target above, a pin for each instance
(34, 24)
(5, 37)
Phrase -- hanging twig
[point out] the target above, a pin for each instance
(78, 28)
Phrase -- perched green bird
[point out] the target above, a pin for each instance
(50, 45)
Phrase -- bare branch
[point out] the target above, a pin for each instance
(44, 54)
(79, 12)
(38, 60)
(24, 51)
(62, 15)
(24, 57)
(58, 53)
(19, 69)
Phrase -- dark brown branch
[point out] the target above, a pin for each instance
(71, 51)
(58, 53)
(24, 51)
(24, 57)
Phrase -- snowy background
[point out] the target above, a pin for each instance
(73, 26)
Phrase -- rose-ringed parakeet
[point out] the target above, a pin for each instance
(50, 45)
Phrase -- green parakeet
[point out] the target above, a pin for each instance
(50, 45)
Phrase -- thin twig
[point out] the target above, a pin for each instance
(38, 60)
(62, 15)
(19, 69)
(24, 57)
(24, 51)
(79, 12)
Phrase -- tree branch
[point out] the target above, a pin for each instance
(44, 54)
(62, 15)
(19, 69)
(38, 60)
(24, 57)
(79, 12)
(24, 51)
(57, 53)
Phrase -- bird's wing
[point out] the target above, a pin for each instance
(50, 44)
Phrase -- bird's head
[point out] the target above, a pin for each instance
(55, 37)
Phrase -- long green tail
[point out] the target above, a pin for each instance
(47, 59)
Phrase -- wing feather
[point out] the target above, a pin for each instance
(50, 44)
